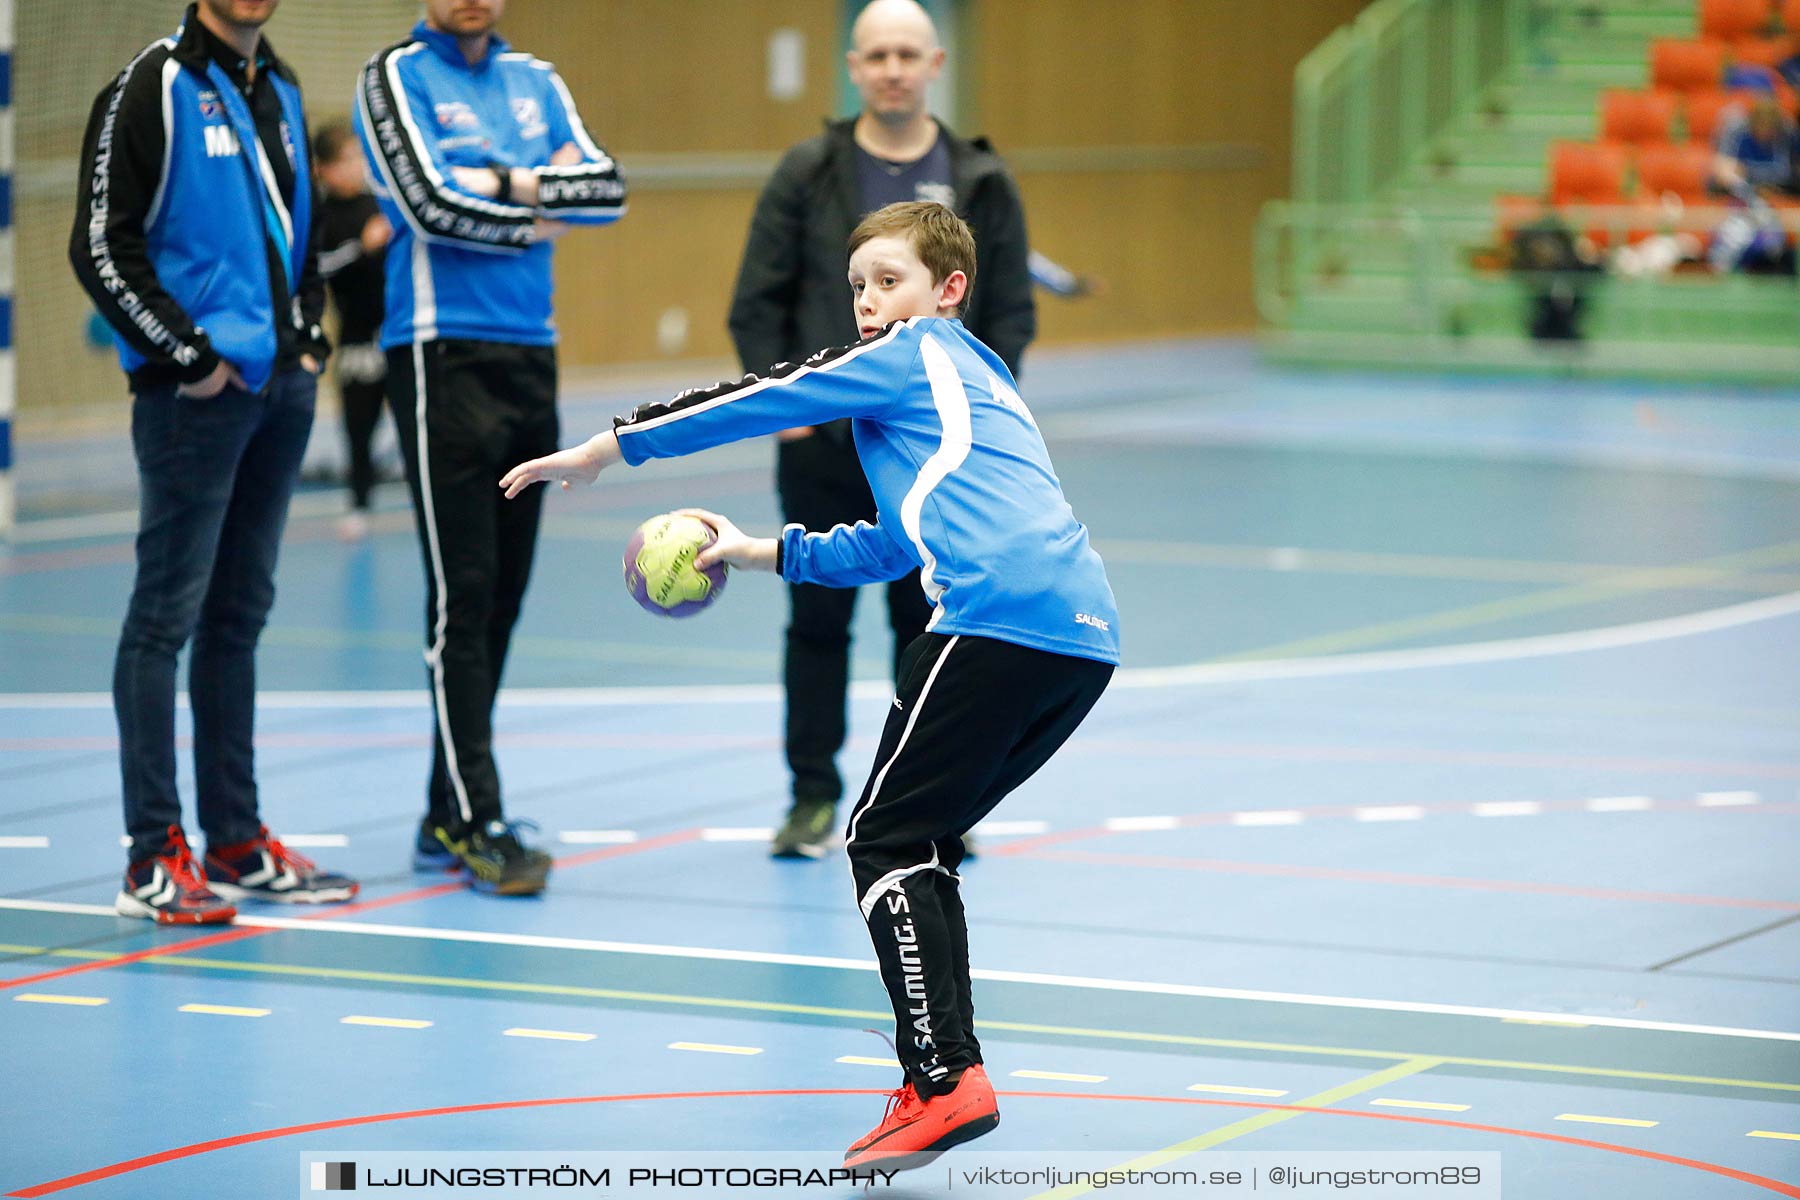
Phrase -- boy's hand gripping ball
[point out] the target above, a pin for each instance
(659, 566)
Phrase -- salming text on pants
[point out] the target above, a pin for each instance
(821, 484)
(466, 412)
(214, 479)
(972, 719)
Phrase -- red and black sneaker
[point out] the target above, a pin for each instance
(170, 888)
(264, 869)
(915, 1131)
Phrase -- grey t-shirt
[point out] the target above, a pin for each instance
(883, 182)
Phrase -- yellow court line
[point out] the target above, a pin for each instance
(1428, 1105)
(711, 1048)
(47, 998)
(1062, 1076)
(813, 1010)
(385, 1022)
(1228, 1090)
(1588, 1119)
(1770, 1133)
(857, 1060)
(224, 1010)
(1262, 1120)
(553, 1035)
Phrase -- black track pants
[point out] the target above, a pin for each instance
(467, 412)
(973, 719)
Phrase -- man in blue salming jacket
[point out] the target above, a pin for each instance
(1022, 640)
(194, 238)
(480, 161)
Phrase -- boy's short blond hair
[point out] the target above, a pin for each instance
(937, 235)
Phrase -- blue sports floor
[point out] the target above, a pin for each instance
(1449, 801)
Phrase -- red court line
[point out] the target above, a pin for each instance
(264, 1135)
(238, 933)
(1351, 875)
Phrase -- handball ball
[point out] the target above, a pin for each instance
(659, 566)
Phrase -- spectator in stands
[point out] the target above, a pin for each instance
(1754, 151)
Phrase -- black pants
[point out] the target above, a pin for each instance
(973, 718)
(468, 411)
(821, 483)
(362, 386)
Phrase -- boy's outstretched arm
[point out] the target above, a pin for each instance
(578, 464)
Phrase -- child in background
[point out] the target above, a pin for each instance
(353, 240)
(1022, 643)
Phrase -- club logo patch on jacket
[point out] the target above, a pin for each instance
(530, 116)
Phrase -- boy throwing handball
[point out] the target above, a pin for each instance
(1022, 643)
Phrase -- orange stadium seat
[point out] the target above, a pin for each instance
(1687, 66)
(1763, 52)
(1705, 108)
(1680, 167)
(1587, 172)
(1734, 18)
(1636, 117)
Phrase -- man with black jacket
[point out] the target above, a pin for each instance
(791, 300)
(194, 237)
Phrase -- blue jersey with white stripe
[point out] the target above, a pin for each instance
(963, 485)
(461, 265)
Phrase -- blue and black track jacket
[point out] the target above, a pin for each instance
(963, 485)
(181, 227)
(462, 265)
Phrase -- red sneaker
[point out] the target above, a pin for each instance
(913, 1131)
(170, 889)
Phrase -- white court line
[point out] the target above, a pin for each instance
(596, 837)
(1727, 799)
(24, 843)
(1619, 804)
(1274, 816)
(313, 841)
(762, 834)
(1508, 808)
(1390, 812)
(1141, 824)
(1007, 828)
(1609, 637)
(850, 964)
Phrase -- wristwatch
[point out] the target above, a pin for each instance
(503, 178)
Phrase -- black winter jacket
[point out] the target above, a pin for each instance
(791, 297)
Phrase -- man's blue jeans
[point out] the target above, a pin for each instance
(214, 480)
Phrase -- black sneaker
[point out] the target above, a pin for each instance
(264, 869)
(807, 831)
(170, 889)
(497, 861)
(429, 854)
